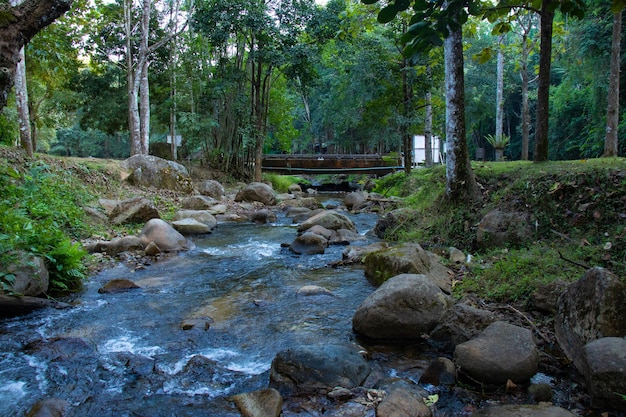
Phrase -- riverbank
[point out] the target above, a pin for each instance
(575, 211)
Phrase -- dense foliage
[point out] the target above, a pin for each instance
(41, 213)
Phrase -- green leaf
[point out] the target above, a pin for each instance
(421, 5)
(369, 1)
(418, 27)
(431, 400)
(402, 5)
(387, 14)
(501, 28)
(483, 56)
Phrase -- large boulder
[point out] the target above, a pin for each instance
(201, 216)
(164, 236)
(212, 189)
(591, 308)
(133, 210)
(30, 272)
(404, 308)
(309, 243)
(354, 199)
(501, 352)
(198, 202)
(329, 219)
(459, 324)
(605, 372)
(257, 191)
(309, 370)
(151, 171)
(191, 227)
(499, 228)
(12, 306)
(408, 258)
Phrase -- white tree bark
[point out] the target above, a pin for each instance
(137, 76)
(428, 130)
(21, 98)
(133, 104)
(144, 86)
(499, 97)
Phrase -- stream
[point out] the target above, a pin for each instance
(125, 354)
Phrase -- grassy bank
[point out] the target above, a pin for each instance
(578, 209)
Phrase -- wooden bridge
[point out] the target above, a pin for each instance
(330, 164)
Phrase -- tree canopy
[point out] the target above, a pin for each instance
(249, 77)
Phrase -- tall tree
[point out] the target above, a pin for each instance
(543, 84)
(546, 10)
(431, 22)
(137, 63)
(612, 112)
(17, 27)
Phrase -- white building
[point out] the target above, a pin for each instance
(419, 149)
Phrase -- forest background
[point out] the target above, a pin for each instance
(234, 77)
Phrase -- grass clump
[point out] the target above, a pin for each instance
(280, 183)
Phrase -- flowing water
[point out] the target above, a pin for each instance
(126, 354)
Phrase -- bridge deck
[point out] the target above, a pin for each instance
(329, 164)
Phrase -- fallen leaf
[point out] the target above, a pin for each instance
(431, 400)
(510, 385)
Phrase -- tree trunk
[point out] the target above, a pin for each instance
(144, 108)
(428, 131)
(23, 111)
(17, 29)
(499, 95)
(133, 105)
(144, 86)
(543, 93)
(407, 136)
(525, 110)
(461, 185)
(612, 112)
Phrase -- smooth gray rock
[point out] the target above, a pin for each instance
(591, 308)
(308, 370)
(211, 188)
(133, 210)
(405, 307)
(309, 244)
(257, 191)
(501, 352)
(163, 235)
(329, 219)
(604, 368)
